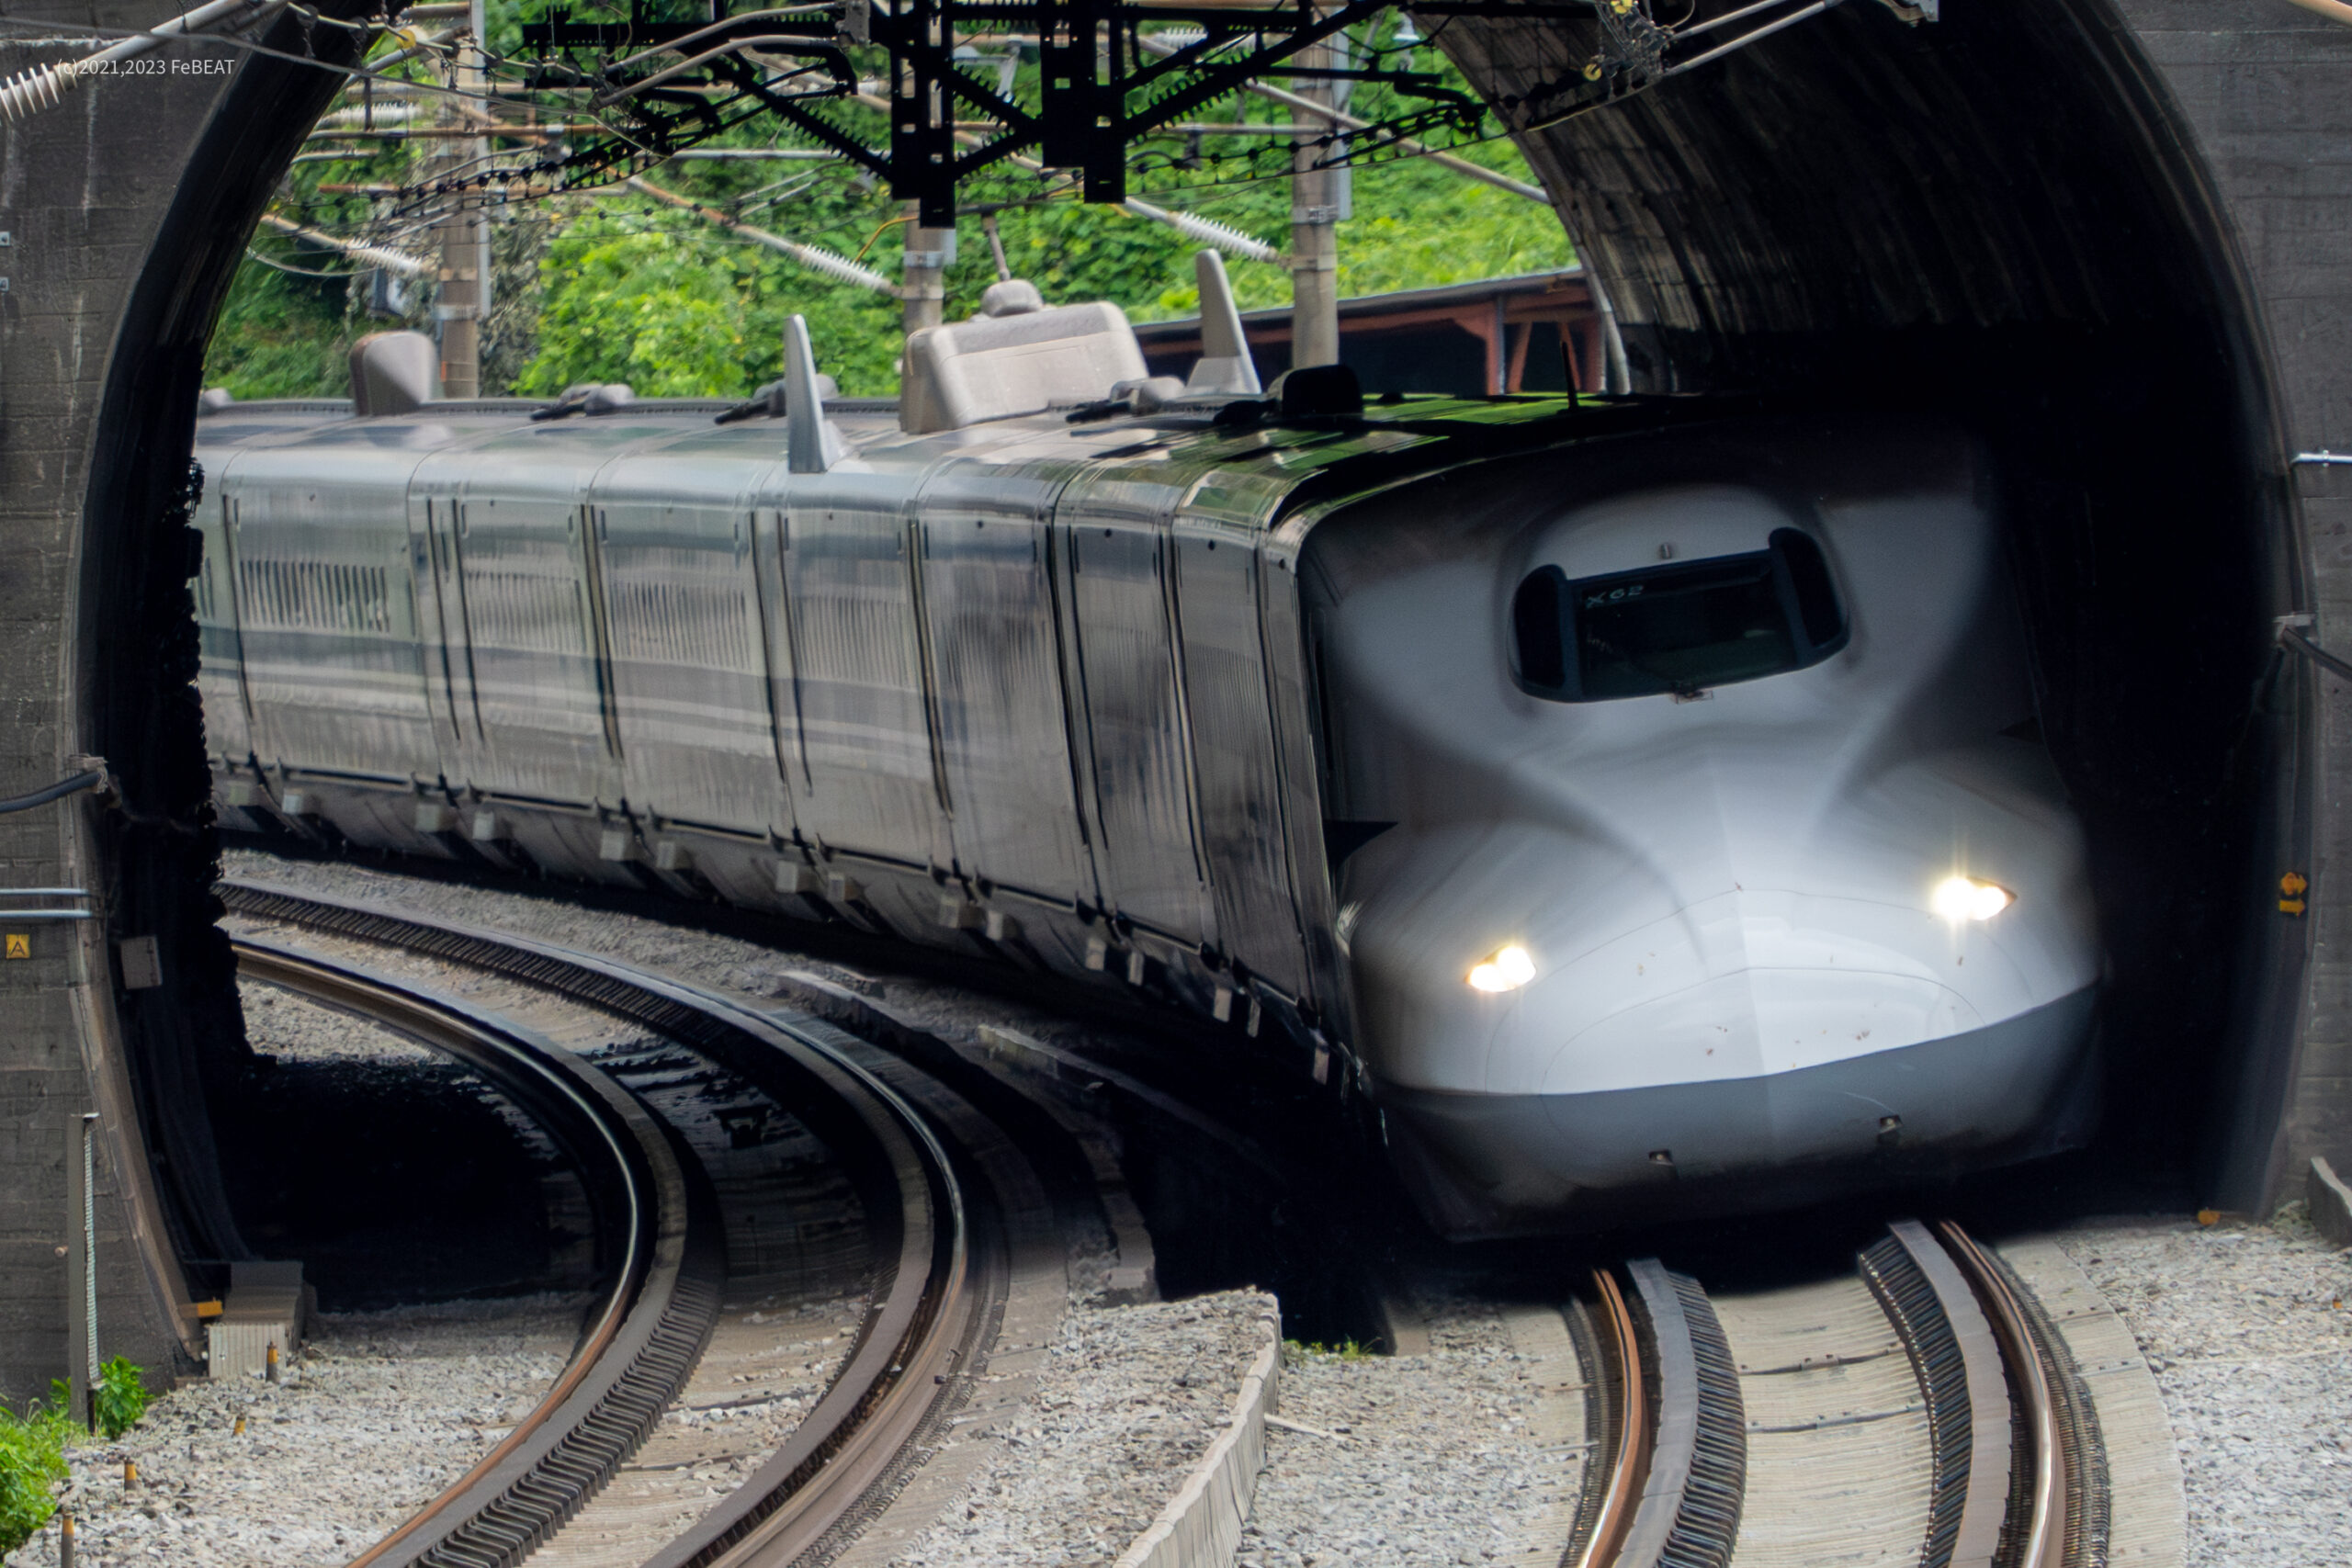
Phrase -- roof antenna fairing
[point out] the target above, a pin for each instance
(809, 447)
(1224, 365)
(393, 373)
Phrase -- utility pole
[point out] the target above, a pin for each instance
(930, 253)
(1318, 199)
(464, 298)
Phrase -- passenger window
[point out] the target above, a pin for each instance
(1680, 628)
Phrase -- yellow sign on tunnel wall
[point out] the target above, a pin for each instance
(20, 945)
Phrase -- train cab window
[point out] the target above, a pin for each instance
(1679, 629)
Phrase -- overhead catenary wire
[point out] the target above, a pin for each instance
(374, 72)
(1207, 230)
(386, 110)
(753, 154)
(814, 257)
(1192, 225)
(275, 266)
(374, 255)
(1343, 120)
(1754, 35)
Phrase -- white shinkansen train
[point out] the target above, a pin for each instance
(1639, 803)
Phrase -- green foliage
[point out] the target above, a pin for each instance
(281, 337)
(121, 1398)
(1297, 1350)
(612, 287)
(677, 307)
(32, 1460)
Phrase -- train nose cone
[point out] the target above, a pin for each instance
(1754, 1047)
(1753, 982)
(1790, 1030)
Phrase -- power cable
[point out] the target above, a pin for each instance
(92, 779)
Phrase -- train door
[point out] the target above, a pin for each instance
(441, 630)
(868, 768)
(688, 671)
(990, 607)
(1148, 858)
(539, 689)
(1219, 588)
(770, 525)
(220, 676)
(1293, 697)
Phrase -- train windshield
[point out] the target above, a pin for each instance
(1677, 628)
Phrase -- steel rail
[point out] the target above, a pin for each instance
(842, 1461)
(2013, 1473)
(653, 1321)
(2043, 1543)
(1629, 1470)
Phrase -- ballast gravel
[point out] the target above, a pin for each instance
(2248, 1329)
(952, 1013)
(382, 1412)
(1128, 1399)
(1411, 1459)
(279, 1022)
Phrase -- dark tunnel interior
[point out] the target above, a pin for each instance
(1991, 218)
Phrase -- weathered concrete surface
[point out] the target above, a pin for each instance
(126, 208)
(82, 192)
(2267, 90)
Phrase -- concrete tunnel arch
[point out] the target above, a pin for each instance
(2095, 229)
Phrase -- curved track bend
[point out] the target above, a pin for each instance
(930, 1187)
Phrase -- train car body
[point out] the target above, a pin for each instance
(1244, 712)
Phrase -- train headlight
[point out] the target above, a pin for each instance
(1958, 898)
(1508, 970)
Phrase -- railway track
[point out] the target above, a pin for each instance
(1923, 1411)
(957, 1226)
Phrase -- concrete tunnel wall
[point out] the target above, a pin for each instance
(2006, 202)
(127, 208)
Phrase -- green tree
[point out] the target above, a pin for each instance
(281, 336)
